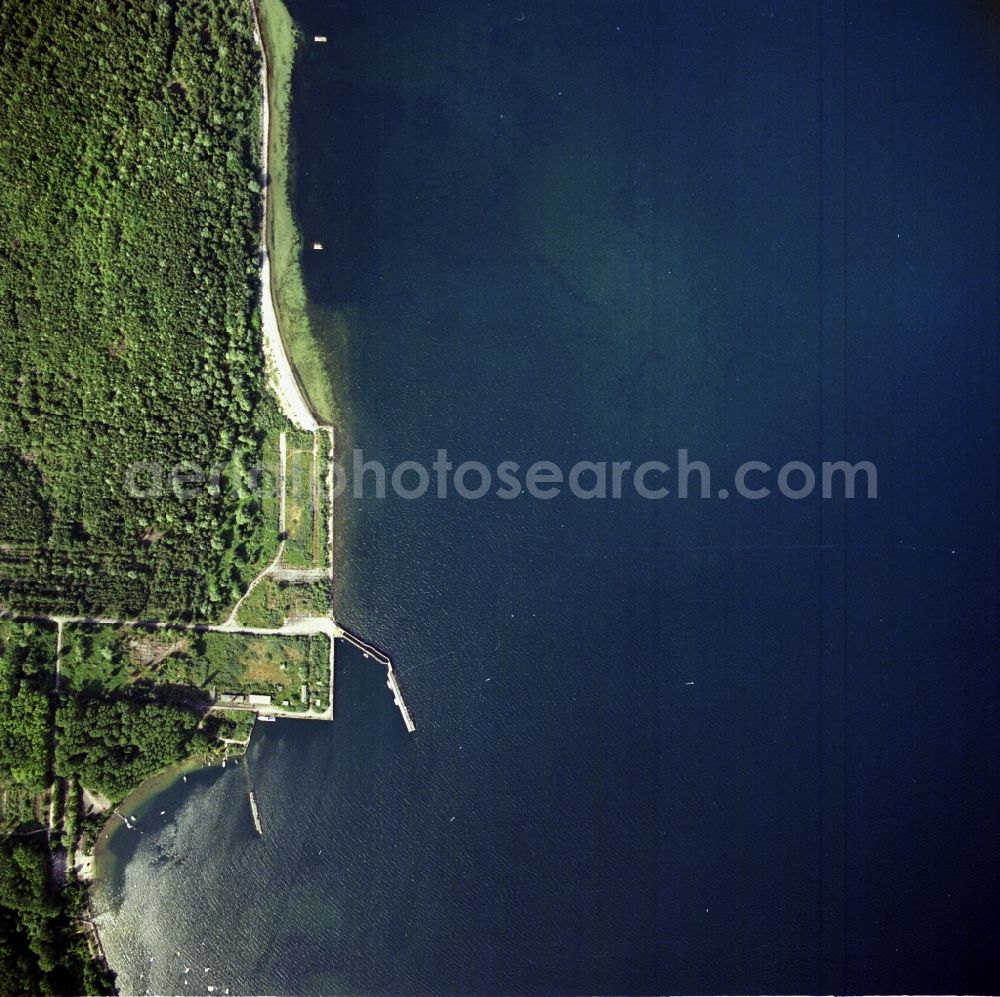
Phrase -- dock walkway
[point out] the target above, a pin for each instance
(391, 681)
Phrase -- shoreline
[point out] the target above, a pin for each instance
(138, 797)
(286, 388)
(88, 868)
(282, 379)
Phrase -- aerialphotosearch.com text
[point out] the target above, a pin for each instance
(683, 478)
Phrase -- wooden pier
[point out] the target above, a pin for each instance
(127, 822)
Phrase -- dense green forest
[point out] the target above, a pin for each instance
(114, 746)
(129, 254)
(41, 948)
(107, 745)
(26, 656)
(130, 214)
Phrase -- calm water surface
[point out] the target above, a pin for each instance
(719, 746)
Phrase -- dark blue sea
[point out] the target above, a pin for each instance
(701, 745)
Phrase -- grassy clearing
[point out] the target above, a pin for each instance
(318, 674)
(100, 660)
(21, 808)
(273, 602)
(302, 546)
(280, 667)
(267, 480)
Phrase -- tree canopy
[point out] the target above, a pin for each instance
(129, 259)
(114, 746)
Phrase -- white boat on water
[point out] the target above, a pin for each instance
(263, 719)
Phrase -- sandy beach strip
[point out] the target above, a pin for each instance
(281, 376)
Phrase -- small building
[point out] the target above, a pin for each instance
(258, 700)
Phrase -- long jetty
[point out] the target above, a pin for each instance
(254, 811)
(391, 681)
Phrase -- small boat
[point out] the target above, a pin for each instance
(319, 38)
(317, 245)
(264, 719)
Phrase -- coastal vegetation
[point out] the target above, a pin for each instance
(266, 477)
(281, 37)
(129, 341)
(108, 736)
(269, 665)
(114, 745)
(41, 948)
(110, 746)
(232, 725)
